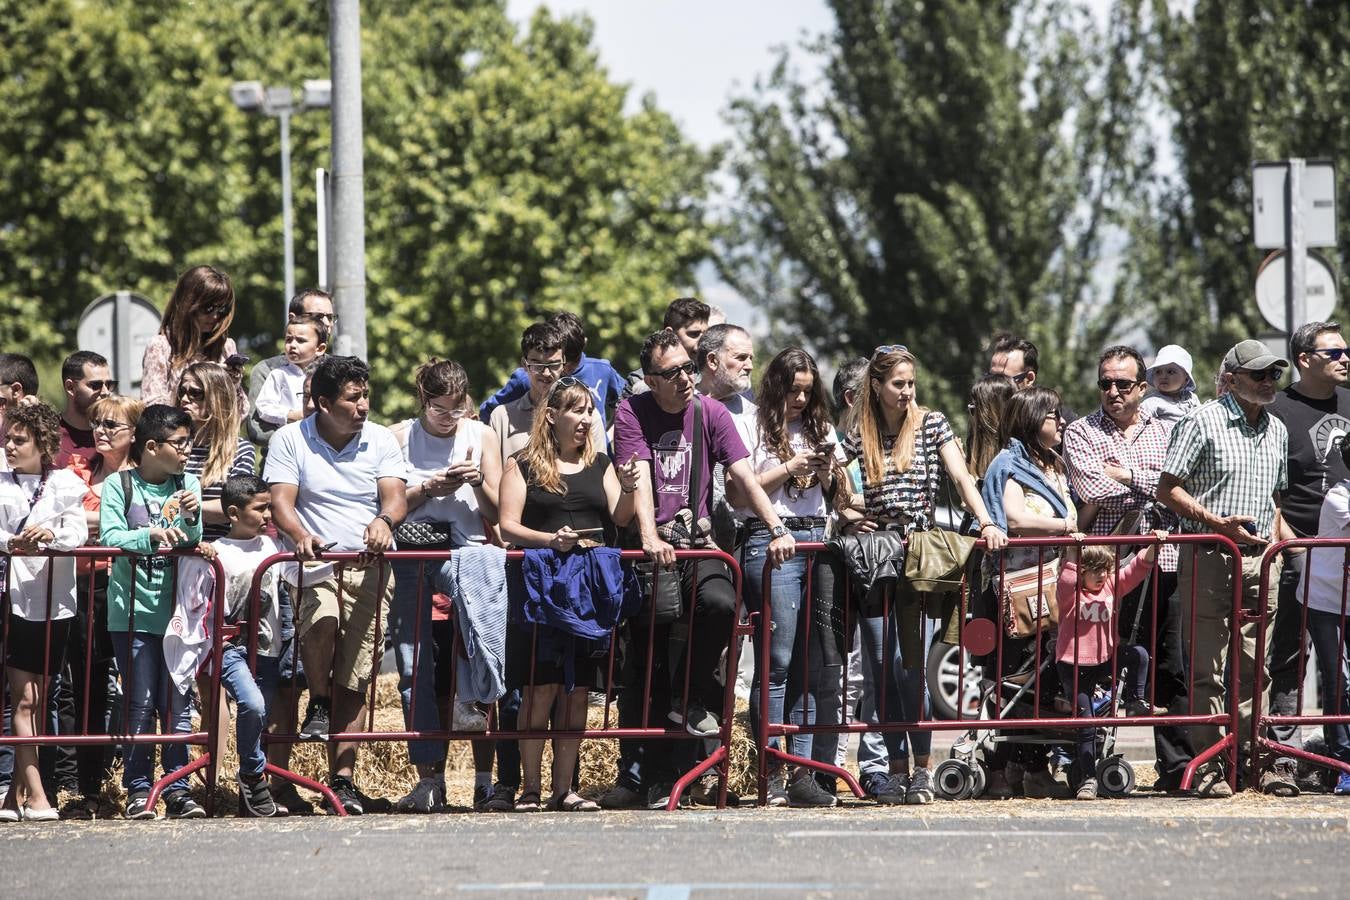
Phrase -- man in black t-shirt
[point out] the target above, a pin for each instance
(1316, 411)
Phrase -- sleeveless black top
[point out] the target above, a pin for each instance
(582, 505)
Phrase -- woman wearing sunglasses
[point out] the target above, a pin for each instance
(195, 329)
(454, 466)
(207, 393)
(560, 493)
(904, 449)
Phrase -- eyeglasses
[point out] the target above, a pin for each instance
(1335, 354)
(1274, 373)
(458, 412)
(191, 393)
(541, 368)
(890, 348)
(1122, 385)
(1056, 415)
(111, 425)
(182, 444)
(672, 373)
(109, 383)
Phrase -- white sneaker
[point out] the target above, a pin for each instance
(427, 796)
(468, 717)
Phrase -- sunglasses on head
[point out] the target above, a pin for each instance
(1274, 373)
(890, 348)
(1123, 385)
(565, 382)
(674, 372)
(1335, 354)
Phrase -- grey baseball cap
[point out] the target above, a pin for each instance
(1252, 355)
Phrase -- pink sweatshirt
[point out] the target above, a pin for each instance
(1088, 618)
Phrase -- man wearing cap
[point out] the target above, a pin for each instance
(1224, 471)
(1114, 458)
(1316, 412)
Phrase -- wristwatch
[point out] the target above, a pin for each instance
(778, 531)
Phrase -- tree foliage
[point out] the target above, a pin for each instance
(954, 171)
(504, 177)
(1242, 82)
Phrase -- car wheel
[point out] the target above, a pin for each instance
(945, 682)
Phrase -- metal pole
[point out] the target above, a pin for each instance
(285, 118)
(349, 230)
(1298, 247)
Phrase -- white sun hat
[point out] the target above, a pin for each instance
(1173, 355)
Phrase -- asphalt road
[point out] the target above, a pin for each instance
(1023, 849)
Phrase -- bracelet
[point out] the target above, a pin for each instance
(388, 520)
(987, 525)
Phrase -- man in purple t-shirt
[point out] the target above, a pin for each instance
(657, 427)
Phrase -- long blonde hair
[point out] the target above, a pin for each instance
(219, 430)
(542, 452)
(871, 424)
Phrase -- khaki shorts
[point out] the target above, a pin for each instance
(355, 654)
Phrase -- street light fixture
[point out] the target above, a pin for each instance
(279, 103)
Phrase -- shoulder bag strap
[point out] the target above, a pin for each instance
(696, 476)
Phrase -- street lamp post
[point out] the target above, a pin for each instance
(279, 103)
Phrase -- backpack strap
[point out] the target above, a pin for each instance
(125, 477)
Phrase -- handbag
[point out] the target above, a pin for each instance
(1027, 599)
(935, 559)
(423, 536)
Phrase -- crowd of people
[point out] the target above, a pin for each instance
(572, 461)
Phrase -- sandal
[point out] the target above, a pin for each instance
(527, 802)
(572, 802)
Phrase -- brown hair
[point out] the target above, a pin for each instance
(117, 405)
(870, 422)
(440, 378)
(41, 423)
(1026, 413)
(1096, 558)
(201, 287)
(772, 400)
(541, 453)
(989, 399)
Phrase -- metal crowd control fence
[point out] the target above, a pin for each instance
(1335, 704)
(610, 729)
(1019, 703)
(92, 733)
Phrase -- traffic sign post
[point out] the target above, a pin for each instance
(119, 325)
(1293, 208)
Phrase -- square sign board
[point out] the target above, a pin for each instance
(1318, 203)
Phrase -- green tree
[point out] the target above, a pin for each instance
(1242, 82)
(955, 171)
(503, 176)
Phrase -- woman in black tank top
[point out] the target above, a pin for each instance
(559, 493)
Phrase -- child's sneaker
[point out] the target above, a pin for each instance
(1342, 787)
(138, 807)
(317, 720)
(180, 805)
(1087, 790)
(1138, 706)
(255, 795)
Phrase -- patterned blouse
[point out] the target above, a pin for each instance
(158, 381)
(909, 494)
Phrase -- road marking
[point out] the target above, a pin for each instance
(668, 892)
(914, 832)
(662, 891)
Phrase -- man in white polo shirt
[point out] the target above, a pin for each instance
(338, 482)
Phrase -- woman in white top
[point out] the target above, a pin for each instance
(454, 468)
(794, 454)
(41, 508)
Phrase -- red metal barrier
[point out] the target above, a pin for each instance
(204, 738)
(1265, 750)
(718, 758)
(979, 629)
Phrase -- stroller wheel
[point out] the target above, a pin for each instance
(1115, 777)
(979, 779)
(952, 779)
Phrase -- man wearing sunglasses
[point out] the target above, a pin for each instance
(1016, 358)
(1114, 457)
(658, 428)
(86, 379)
(1316, 410)
(1225, 469)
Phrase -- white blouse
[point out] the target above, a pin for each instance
(60, 508)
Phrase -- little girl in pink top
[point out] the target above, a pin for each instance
(1088, 594)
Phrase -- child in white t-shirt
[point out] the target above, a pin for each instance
(247, 501)
(282, 398)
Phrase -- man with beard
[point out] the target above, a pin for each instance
(725, 358)
(1316, 410)
(1224, 471)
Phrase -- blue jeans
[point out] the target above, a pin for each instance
(818, 698)
(909, 677)
(877, 749)
(252, 695)
(149, 691)
(410, 630)
(1333, 651)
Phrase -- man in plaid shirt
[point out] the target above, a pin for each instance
(1115, 457)
(1224, 470)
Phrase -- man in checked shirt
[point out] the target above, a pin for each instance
(1114, 457)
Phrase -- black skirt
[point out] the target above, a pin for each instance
(27, 645)
(549, 650)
